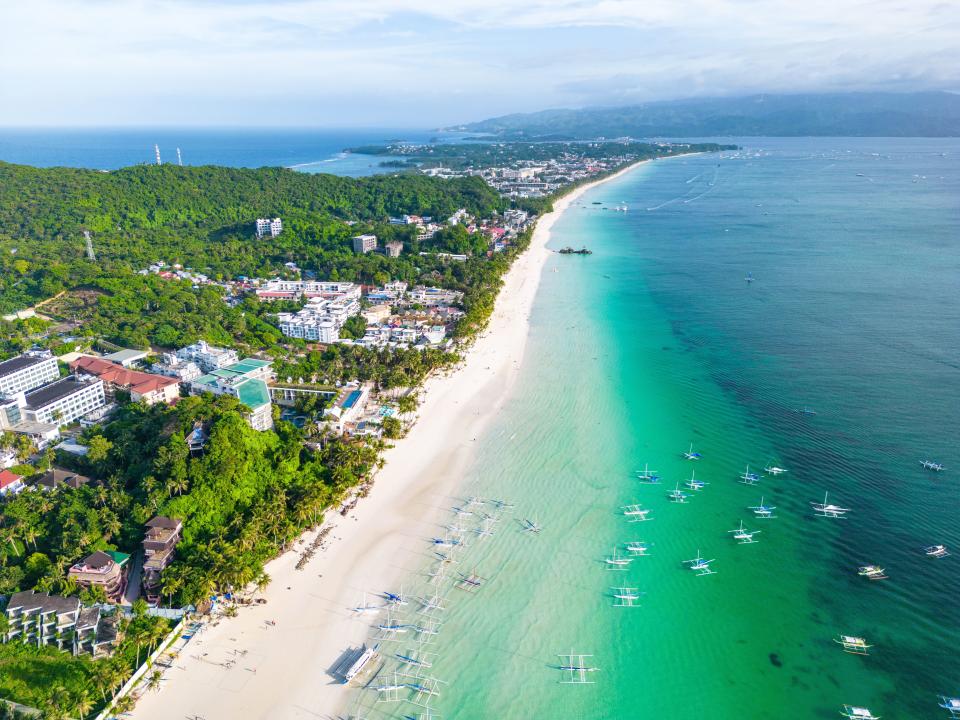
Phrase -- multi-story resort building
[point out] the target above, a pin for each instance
(431, 296)
(57, 403)
(62, 622)
(27, 372)
(172, 366)
(142, 386)
(266, 226)
(364, 243)
(295, 289)
(106, 570)
(245, 380)
(207, 357)
(161, 539)
(320, 320)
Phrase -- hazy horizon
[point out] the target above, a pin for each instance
(410, 64)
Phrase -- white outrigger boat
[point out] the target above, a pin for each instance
(648, 476)
(638, 547)
(744, 536)
(635, 513)
(364, 609)
(931, 465)
(871, 572)
(853, 645)
(936, 551)
(700, 566)
(530, 526)
(858, 713)
(625, 596)
(951, 705)
(677, 495)
(431, 604)
(574, 664)
(695, 484)
(772, 469)
(763, 512)
(749, 478)
(826, 509)
(616, 562)
(691, 455)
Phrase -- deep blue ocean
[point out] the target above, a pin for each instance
(107, 149)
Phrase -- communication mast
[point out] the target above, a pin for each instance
(156, 150)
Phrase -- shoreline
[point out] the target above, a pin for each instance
(280, 670)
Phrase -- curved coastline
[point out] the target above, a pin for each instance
(281, 670)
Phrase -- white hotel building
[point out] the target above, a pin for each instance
(294, 289)
(26, 372)
(320, 320)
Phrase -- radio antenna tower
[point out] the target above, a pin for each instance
(156, 149)
(90, 255)
(179, 159)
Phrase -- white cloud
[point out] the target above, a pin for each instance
(424, 62)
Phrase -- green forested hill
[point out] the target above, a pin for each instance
(201, 217)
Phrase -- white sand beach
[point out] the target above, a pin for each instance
(281, 670)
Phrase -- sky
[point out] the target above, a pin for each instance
(429, 63)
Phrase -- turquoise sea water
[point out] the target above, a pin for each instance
(656, 341)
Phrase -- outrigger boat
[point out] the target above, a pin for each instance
(764, 512)
(395, 598)
(415, 661)
(695, 484)
(691, 455)
(774, 470)
(501, 504)
(931, 465)
(871, 572)
(852, 644)
(635, 513)
(858, 713)
(648, 476)
(530, 526)
(936, 551)
(364, 609)
(393, 627)
(574, 664)
(617, 562)
(743, 536)
(749, 478)
(471, 582)
(429, 604)
(951, 705)
(637, 547)
(625, 596)
(677, 495)
(700, 566)
(825, 509)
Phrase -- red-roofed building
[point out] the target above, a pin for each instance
(10, 483)
(143, 386)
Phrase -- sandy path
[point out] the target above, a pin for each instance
(284, 671)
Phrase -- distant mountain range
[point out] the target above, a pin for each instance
(923, 114)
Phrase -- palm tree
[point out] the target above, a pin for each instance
(153, 682)
(82, 704)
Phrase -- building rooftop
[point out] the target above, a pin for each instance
(163, 522)
(30, 600)
(47, 394)
(8, 478)
(120, 376)
(58, 476)
(16, 364)
(125, 356)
